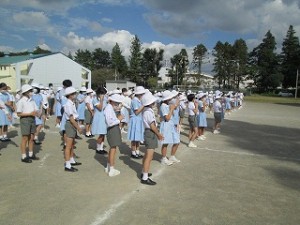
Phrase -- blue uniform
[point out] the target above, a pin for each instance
(38, 99)
(136, 125)
(99, 125)
(81, 106)
(3, 118)
(201, 117)
(57, 106)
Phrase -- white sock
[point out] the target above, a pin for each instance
(111, 168)
(133, 152)
(72, 160)
(164, 158)
(137, 152)
(99, 147)
(102, 145)
(23, 156)
(108, 166)
(145, 176)
(5, 136)
(30, 154)
(35, 137)
(1, 137)
(68, 164)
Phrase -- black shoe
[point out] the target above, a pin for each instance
(148, 182)
(34, 157)
(72, 169)
(37, 142)
(149, 175)
(140, 156)
(101, 152)
(78, 138)
(5, 139)
(136, 156)
(26, 160)
(76, 164)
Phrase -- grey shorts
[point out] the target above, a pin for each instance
(27, 125)
(192, 121)
(114, 136)
(181, 113)
(150, 139)
(87, 117)
(70, 130)
(218, 117)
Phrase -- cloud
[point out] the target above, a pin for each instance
(30, 20)
(6, 48)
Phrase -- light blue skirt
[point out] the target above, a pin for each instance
(170, 133)
(57, 109)
(136, 129)
(201, 119)
(3, 119)
(99, 125)
(125, 114)
(228, 106)
(38, 121)
(63, 123)
(80, 111)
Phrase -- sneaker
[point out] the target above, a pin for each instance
(113, 173)
(216, 132)
(37, 142)
(148, 182)
(57, 126)
(26, 160)
(192, 145)
(101, 152)
(166, 162)
(174, 159)
(106, 170)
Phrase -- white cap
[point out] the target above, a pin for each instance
(70, 90)
(140, 90)
(148, 99)
(83, 89)
(89, 90)
(116, 91)
(201, 95)
(166, 95)
(25, 88)
(35, 85)
(116, 98)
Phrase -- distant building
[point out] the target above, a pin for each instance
(43, 69)
(114, 84)
(204, 81)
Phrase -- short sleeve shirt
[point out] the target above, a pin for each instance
(148, 117)
(70, 110)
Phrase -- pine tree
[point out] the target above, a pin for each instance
(198, 56)
(135, 60)
(118, 61)
(290, 58)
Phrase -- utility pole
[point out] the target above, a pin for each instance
(296, 92)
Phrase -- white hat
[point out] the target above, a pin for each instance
(182, 98)
(140, 90)
(175, 93)
(41, 87)
(46, 88)
(218, 97)
(89, 90)
(35, 85)
(70, 90)
(83, 89)
(116, 91)
(211, 92)
(166, 95)
(148, 99)
(201, 95)
(25, 88)
(116, 98)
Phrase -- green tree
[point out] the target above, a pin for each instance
(2, 54)
(84, 58)
(118, 62)
(180, 63)
(101, 59)
(70, 56)
(240, 51)
(100, 76)
(38, 50)
(135, 60)
(290, 58)
(152, 62)
(198, 57)
(266, 62)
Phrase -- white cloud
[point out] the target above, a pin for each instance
(31, 20)
(6, 48)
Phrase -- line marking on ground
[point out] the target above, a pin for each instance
(43, 160)
(249, 154)
(113, 208)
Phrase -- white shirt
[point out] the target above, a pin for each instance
(26, 105)
(217, 106)
(148, 117)
(191, 108)
(45, 100)
(70, 110)
(110, 116)
(88, 99)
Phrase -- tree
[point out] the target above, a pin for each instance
(198, 56)
(152, 62)
(240, 51)
(266, 62)
(290, 58)
(100, 76)
(2, 54)
(84, 58)
(135, 60)
(70, 56)
(180, 64)
(39, 50)
(101, 59)
(118, 62)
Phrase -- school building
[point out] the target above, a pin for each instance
(43, 69)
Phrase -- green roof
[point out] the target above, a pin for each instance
(8, 60)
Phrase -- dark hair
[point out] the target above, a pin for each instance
(50, 85)
(3, 85)
(124, 90)
(38, 90)
(191, 97)
(67, 83)
(101, 91)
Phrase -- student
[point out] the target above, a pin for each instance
(182, 109)
(125, 109)
(217, 114)
(4, 120)
(71, 128)
(192, 111)
(99, 126)
(228, 104)
(38, 99)
(151, 136)
(51, 99)
(114, 138)
(81, 105)
(89, 112)
(167, 126)
(136, 126)
(201, 117)
(58, 114)
(27, 110)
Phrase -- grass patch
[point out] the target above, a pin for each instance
(270, 99)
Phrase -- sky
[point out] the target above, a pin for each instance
(68, 25)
